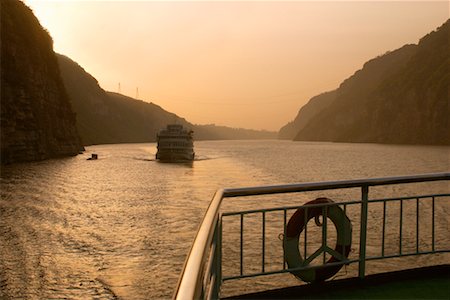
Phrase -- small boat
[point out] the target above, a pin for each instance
(175, 144)
(93, 157)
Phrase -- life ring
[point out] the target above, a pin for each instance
(296, 225)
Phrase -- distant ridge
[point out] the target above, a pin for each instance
(107, 117)
(401, 97)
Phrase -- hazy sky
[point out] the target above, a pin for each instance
(248, 64)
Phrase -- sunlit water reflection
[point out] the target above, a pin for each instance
(121, 226)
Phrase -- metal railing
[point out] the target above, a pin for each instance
(202, 274)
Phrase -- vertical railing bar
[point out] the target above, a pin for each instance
(263, 239)
(363, 230)
(210, 292)
(345, 213)
(209, 283)
(284, 236)
(242, 245)
(218, 281)
(401, 227)
(384, 229)
(211, 268)
(417, 225)
(219, 259)
(432, 224)
(306, 232)
(324, 232)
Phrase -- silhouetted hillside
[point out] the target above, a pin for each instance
(215, 132)
(106, 117)
(306, 113)
(37, 121)
(399, 97)
(109, 117)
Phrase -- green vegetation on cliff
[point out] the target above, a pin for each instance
(37, 121)
(400, 97)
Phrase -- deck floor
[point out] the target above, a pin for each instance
(421, 283)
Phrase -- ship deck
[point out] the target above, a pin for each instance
(203, 274)
(421, 283)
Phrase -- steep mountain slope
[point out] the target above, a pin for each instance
(306, 113)
(109, 117)
(400, 97)
(421, 91)
(345, 118)
(106, 117)
(357, 89)
(143, 120)
(139, 121)
(37, 121)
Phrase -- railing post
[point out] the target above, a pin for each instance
(363, 230)
(218, 259)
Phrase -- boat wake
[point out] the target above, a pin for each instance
(197, 158)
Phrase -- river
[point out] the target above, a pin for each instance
(121, 226)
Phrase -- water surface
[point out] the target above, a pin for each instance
(121, 226)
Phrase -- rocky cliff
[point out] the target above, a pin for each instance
(37, 121)
(106, 117)
(400, 97)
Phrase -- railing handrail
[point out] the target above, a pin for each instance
(326, 185)
(188, 287)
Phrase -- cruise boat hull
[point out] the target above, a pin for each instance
(175, 144)
(174, 157)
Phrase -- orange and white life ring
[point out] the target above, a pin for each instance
(297, 224)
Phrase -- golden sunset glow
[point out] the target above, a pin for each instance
(241, 64)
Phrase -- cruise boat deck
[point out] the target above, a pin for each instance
(415, 229)
(420, 283)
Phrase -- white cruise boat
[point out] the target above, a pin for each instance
(175, 144)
